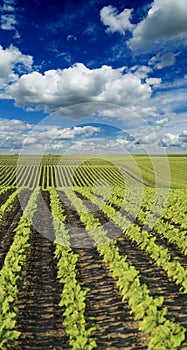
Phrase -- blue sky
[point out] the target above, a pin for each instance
(69, 68)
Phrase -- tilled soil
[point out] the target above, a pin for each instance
(151, 274)
(40, 318)
(9, 223)
(172, 248)
(116, 327)
(4, 197)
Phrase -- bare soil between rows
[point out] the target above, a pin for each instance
(9, 223)
(40, 319)
(151, 274)
(116, 326)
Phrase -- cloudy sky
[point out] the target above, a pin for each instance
(96, 75)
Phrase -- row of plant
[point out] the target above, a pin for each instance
(73, 297)
(155, 215)
(8, 205)
(164, 333)
(143, 239)
(8, 176)
(63, 174)
(176, 208)
(173, 234)
(28, 176)
(12, 272)
(5, 189)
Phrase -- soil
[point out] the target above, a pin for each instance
(9, 223)
(151, 274)
(4, 197)
(40, 319)
(116, 327)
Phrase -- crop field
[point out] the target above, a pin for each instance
(93, 253)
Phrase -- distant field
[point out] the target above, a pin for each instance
(170, 171)
(177, 170)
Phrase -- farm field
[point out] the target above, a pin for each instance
(92, 255)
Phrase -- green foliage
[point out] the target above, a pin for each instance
(73, 297)
(8, 204)
(163, 332)
(12, 271)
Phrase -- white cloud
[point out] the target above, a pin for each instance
(71, 37)
(149, 138)
(13, 61)
(17, 35)
(12, 133)
(16, 135)
(154, 81)
(78, 84)
(166, 20)
(8, 22)
(160, 62)
(116, 22)
(169, 140)
(162, 122)
(70, 133)
(183, 136)
(8, 19)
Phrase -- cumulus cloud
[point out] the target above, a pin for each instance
(12, 62)
(17, 135)
(12, 133)
(71, 133)
(168, 140)
(147, 139)
(166, 20)
(78, 84)
(116, 22)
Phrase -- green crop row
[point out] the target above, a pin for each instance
(7, 206)
(73, 296)
(164, 334)
(144, 241)
(12, 272)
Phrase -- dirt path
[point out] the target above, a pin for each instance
(40, 317)
(116, 327)
(154, 276)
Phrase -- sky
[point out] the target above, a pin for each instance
(96, 76)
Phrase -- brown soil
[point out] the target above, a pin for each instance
(154, 277)
(116, 327)
(8, 225)
(4, 197)
(40, 318)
